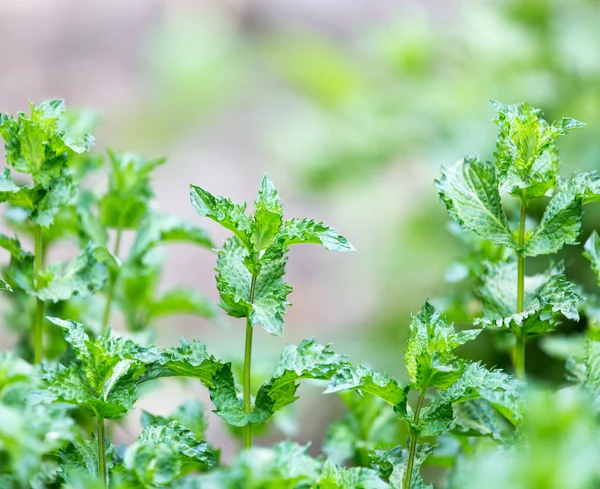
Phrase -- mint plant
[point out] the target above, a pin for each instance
(72, 370)
(432, 365)
(251, 264)
(526, 166)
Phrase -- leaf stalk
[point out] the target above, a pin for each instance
(112, 282)
(412, 450)
(102, 452)
(519, 357)
(38, 323)
(247, 370)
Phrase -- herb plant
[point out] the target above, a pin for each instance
(72, 376)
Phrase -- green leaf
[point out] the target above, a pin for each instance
(39, 143)
(546, 296)
(477, 417)
(560, 223)
(268, 216)
(391, 465)
(430, 361)
(223, 211)
(81, 277)
(369, 425)
(104, 380)
(592, 369)
(500, 390)
(308, 360)
(526, 149)
(469, 189)
(126, 202)
(336, 477)
(234, 281)
(182, 301)
(299, 231)
(192, 360)
(592, 253)
(161, 228)
(163, 453)
(363, 379)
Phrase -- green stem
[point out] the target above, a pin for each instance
(102, 452)
(520, 340)
(247, 371)
(112, 282)
(38, 324)
(412, 450)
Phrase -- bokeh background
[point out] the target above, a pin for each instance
(349, 106)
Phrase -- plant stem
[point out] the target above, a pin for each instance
(247, 371)
(38, 324)
(412, 450)
(520, 340)
(101, 451)
(112, 281)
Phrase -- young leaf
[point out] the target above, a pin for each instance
(104, 381)
(268, 216)
(497, 388)
(223, 211)
(469, 189)
(526, 149)
(189, 414)
(546, 296)
(126, 202)
(430, 361)
(308, 360)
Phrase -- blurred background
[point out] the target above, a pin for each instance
(351, 108)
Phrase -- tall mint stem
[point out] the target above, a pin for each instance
(101, 452)
(112, 282)
(520, 339)
(38, 322)
(414, 438)
(247, 371)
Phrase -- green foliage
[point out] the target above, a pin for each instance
(251, 264)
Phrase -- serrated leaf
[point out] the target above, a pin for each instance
(526, 149)
(81, 277)
(223, 211)
(126, 202)
(270, 293)
(299, 231)
(560, 223)
(430, 361)
(163, 453)
(60, 192)
(477, 417)
(308, 360)
(500, 390)
(162, 228)
(546, 296)
(104, 381)
(397, 458)
(192, 360)
(268, 216)
(469, 189)
(363, 379)
(39, 143)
